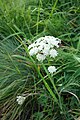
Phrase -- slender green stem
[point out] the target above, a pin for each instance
(53, 86)
(53, 8)
(50, 79)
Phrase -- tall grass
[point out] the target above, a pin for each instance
(47, 97)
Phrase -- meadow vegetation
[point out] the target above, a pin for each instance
(48, 97)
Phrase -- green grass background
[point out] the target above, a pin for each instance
(21, 23)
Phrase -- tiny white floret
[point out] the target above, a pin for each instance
(33, 51)
(52, 69)
(40, 57)
(53, 53)
(20, 99)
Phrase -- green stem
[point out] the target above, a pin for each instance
(53, 8)
(53, 85)
(50, 79)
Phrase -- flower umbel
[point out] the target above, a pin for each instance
(52, 69)
(43, 47)
(20, 99)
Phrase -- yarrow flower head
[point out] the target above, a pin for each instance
(43, 47)
(52, 69)
(20, 99)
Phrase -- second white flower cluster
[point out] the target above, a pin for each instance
(43, 47)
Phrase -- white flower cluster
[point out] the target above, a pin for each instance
(43, 47)
(20, 99)
(52, 69)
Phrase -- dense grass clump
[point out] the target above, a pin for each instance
(48, 97)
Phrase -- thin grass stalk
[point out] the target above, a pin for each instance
(53, 8)
(38, 16)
